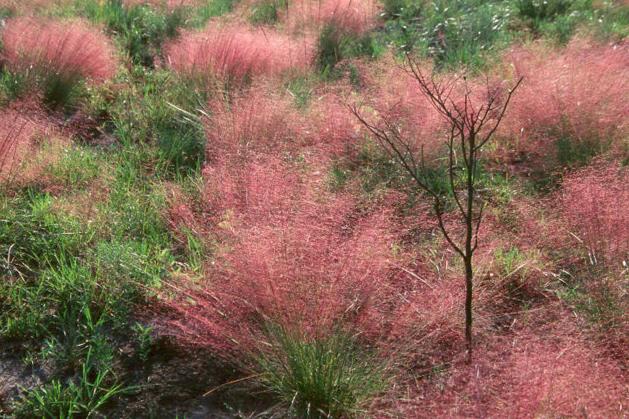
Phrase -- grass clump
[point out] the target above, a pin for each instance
(153, 116)
(542, 10)
(34, 236)
(45, 305)
(597, 297)
(559, 19)
(54, 59)
(509, 260)
(66, 277)
(139, 28)
(12, 85)
(156, 111)
(336, 44)
(132, 215)
(71, 281)
(572, 152)
(323, 377)
(266, 12)
(66, 310)
(210, 9)
(82, 396)
(452, 33)
(469, 32)
(144, 341)
(77, 168)
(600, 305)
(58, 91)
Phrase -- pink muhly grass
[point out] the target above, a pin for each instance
(31, 7)
(544, 369)
(288, 256)
(235, 54)
(252, 122)
(11, 132)
(260, 192)
(170, 4)
(577, 93)
(594, 202)
(553, 371)
(22, 124)
(71, 50)
(393, 98)
(332, 128)
(351, 16)
(355, 17)
(426, 326)
(259, 122)
(310, 273)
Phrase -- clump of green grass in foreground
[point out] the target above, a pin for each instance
(56, 265)
(71, 281)
(319, 378)
(58, 92)
(81, 396)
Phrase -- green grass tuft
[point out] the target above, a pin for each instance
(140, 29)
(210, 9)
(156, 114)
(82, 396)
(335, 44)
(316, 378)
(266, 12)
(77, 168)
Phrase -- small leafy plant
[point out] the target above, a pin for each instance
(144, 340)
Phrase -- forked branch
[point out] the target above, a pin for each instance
(470, 126)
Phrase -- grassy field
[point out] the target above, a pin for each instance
(258, 208)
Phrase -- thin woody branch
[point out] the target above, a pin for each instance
(468, 130)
